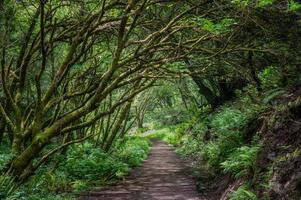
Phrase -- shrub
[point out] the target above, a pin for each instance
(7, 186)
(228, 119)
(159, 134)
(241, 161)
(217, 151)
(224, 127)
(84, 162)
(272, 94)
(5, 154)
(243, 193)
(190, 147)
(133, 151)
(212, 154)
(4, 158)
(83, 166)
(79, 185)
(181, 128)
(271, 77)
(173, 138)
(227, 130)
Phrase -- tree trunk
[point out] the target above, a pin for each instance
(203, 90)
(21, 165)
(117, 127)
(2, 129)
(139, 122)
(16, 144)
(211, 98)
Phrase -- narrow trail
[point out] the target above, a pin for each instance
(161, 177)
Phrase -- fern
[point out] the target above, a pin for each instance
(240, 161)
(7, 186)
(294, 6)
(264, 3)
(243, 193)
(272, 94)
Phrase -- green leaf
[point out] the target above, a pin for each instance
(264, 3)
(294, 6)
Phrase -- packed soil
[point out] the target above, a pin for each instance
(161, 177)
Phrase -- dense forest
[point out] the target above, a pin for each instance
(87, 85)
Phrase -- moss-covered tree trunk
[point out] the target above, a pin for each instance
(2, 129)
(117, 127)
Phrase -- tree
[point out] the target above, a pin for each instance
(62, 71)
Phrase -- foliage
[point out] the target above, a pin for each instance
(271, 77)
(173, 138)
(227, 127)
(272, 94)
(228, 119)
(84, 166)
(263, 3)
(169, 116)
(294, 6)
(217, 28)
(86, 162)
(4, 158)
(243, 193)
(7, 186)
(226, 149)
(5, 154)
(132, 151)
(172, 103)
(190, 147)
(159, 134)
(241, 161)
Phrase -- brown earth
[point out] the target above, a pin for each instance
(161, 177)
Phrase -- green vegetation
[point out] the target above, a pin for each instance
(225, 140)
(83, 167)
(225, 147)
(243, 193)
(85, 86)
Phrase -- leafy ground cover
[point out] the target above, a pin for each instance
(84, 166)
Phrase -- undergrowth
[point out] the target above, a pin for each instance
(243, 193)
(83, 167)
(218, 138)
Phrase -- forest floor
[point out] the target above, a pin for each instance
(161, 177)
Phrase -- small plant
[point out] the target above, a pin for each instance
(240, 3)
(132, 152)
(243, 193)
(88, 163)
(212, 154)
(84, 166)
(241, 161)
(4, 158)
(271, 77)
(159, 134)
(228, 119)
(7, 186)
(294, 6)
(173, 138)
(190, 147)
(220, 27)
(79, 186)
(264, 3)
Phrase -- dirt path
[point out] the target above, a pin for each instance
(161, 177)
